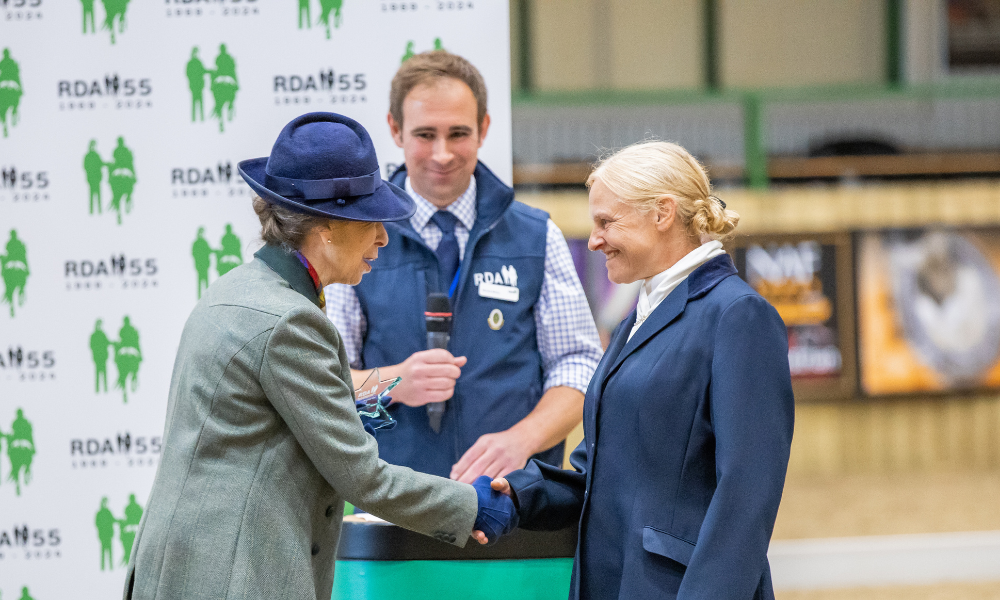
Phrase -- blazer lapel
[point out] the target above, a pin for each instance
(696, 285)
(664, 314)
(615, 348)
(596, 388)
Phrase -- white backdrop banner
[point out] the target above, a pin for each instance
(120, 201)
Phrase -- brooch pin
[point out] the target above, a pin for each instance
(495, 320)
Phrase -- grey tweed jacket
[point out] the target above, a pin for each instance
(262, 446)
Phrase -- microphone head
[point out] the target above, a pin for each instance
(438, 303)
(438, 315)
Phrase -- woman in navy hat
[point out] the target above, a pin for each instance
(263, 443)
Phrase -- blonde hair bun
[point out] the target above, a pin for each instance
(641, 174)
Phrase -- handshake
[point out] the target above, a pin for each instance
(497, 515)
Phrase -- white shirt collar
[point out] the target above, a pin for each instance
(655, 289)
(464, 208)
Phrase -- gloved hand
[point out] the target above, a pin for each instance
(497, 515)
(374, 415)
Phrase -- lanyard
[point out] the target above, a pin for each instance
(454, 282)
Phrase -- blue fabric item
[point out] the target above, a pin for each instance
(502, 381)
(318, 189)
(687, 431)
(324, 164)
(497, 515)
(447, 250)
(382, 422)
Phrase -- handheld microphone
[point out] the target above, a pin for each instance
(438, 319)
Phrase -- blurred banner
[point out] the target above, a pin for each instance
(929, 310)
(122, 124)
(973, 36)
(807, 278)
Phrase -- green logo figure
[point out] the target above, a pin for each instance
(88, 12)
(24, 594)
(304, 11)
(128, 357)
(99, 344)
(105, 522)
(114, 9)
(94, 166)
(325, 8)
(224, 86)
(126, 353)
(410, 53)
(20, 450)
(228, 256)
(121, 177)
(202, 254)
(196, 72)
(14, 270)
(10, 89)
(128, 527)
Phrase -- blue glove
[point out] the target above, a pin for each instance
(375, 417)
(497, 515)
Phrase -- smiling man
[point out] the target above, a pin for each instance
(523, 342)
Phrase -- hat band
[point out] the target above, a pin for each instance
(323, 189)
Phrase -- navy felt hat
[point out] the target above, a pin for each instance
(324, 164)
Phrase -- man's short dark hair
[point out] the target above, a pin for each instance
(428, 66)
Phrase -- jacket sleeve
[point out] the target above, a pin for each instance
(549, 498)
(301, 375)
(752, 413)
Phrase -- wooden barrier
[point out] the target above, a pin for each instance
(952, 163)
(820, 208)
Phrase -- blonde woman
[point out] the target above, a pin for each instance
(688, 419)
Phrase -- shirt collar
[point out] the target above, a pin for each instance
(659, 286)
(464, 208)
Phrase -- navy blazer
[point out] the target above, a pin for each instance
(687, 430)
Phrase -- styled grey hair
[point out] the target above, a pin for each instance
(283, 227)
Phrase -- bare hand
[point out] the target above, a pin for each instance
(493, 455)
(479, 536)
(501, 485)
(428, 376)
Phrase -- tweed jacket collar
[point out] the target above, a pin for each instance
(287, 265)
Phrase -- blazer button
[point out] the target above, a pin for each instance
(315, 549)
(329, 511)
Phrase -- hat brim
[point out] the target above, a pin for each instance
(387, 203)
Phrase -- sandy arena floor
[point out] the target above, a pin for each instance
(892, 504)
(889, 504)
(964, 591)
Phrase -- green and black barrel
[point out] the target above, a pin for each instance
(379, 561)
